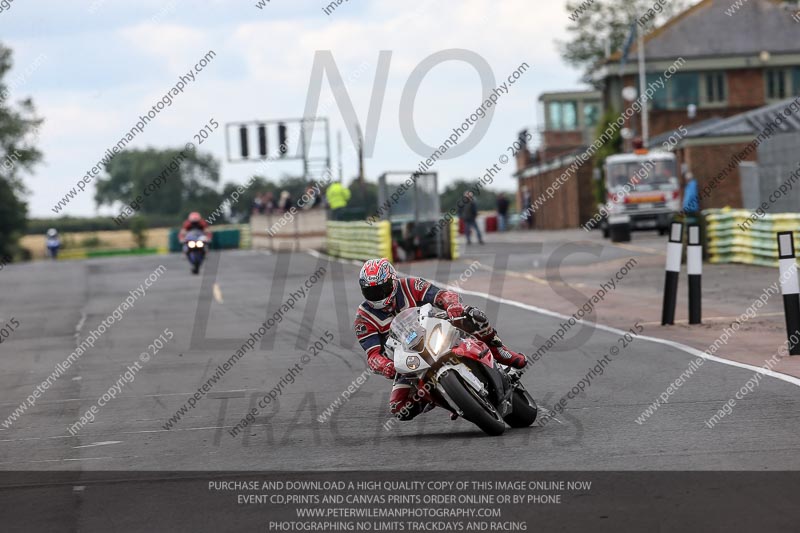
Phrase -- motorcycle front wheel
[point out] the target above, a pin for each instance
(523, 410)
(475, 409)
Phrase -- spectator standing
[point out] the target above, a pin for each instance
(469, 214)
(337, 196)
(258, 205)
(691, 210)
(285, 201)
(691, 199)
(527, 208)
(310, 199)
(502, 211)
(268, 199)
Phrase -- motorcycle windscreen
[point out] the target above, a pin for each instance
(407, 329)
(195, 235)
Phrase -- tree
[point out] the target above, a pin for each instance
(366, 198)
(606, 24)
(139, 231)
(486, 200)
(18, 126)
(611, 147)
(162, 182)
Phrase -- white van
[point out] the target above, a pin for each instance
(645, 187)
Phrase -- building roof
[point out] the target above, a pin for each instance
(584, 95)
(538, 166)
(752, 123)
(659, 140)
(744, 125)
(707, 30)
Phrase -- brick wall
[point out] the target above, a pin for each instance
(746, 89)
(560, 139)
(706, 162)
(573, 203)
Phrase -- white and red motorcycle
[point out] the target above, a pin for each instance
(457, 371)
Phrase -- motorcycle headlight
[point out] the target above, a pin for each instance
(200, 244)
(436, 341)
(190, 244)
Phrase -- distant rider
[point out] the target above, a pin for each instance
(53, 243)
(386, 296)
(194, 222)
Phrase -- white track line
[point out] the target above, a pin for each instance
(138, 432)
(103, 443)
(688, 349)
(161, 395)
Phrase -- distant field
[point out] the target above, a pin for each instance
(109, 240)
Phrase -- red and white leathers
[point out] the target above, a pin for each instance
(372, 329)
(192, 223)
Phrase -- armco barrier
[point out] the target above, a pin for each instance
(755, 245)
(359, 240)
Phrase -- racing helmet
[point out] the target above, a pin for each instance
(52, 233)
(194, 216)
(378, 281)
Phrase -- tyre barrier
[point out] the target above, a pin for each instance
(359, 240)
(739, 236)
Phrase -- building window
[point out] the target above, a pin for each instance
(678, 92)
(685, 89)
(591, 114)
(796, 81)
(562, 116)
(778, 83)
(715, 92)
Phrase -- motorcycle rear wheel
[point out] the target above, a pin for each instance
(523, 410)
(476, 411)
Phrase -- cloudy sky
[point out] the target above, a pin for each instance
(94, 66)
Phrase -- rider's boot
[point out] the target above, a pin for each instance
(503, 355)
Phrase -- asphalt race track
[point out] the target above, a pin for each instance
(213, 314)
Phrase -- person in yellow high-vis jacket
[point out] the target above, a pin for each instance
(337, 196)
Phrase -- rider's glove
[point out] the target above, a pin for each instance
(388, 370)
(455, 311)
(479, 320)
(382, 365)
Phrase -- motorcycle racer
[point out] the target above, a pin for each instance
(194, 221)
(386, 295)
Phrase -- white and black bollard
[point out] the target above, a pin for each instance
(694, 266)
(674, 256)
(789, 288)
